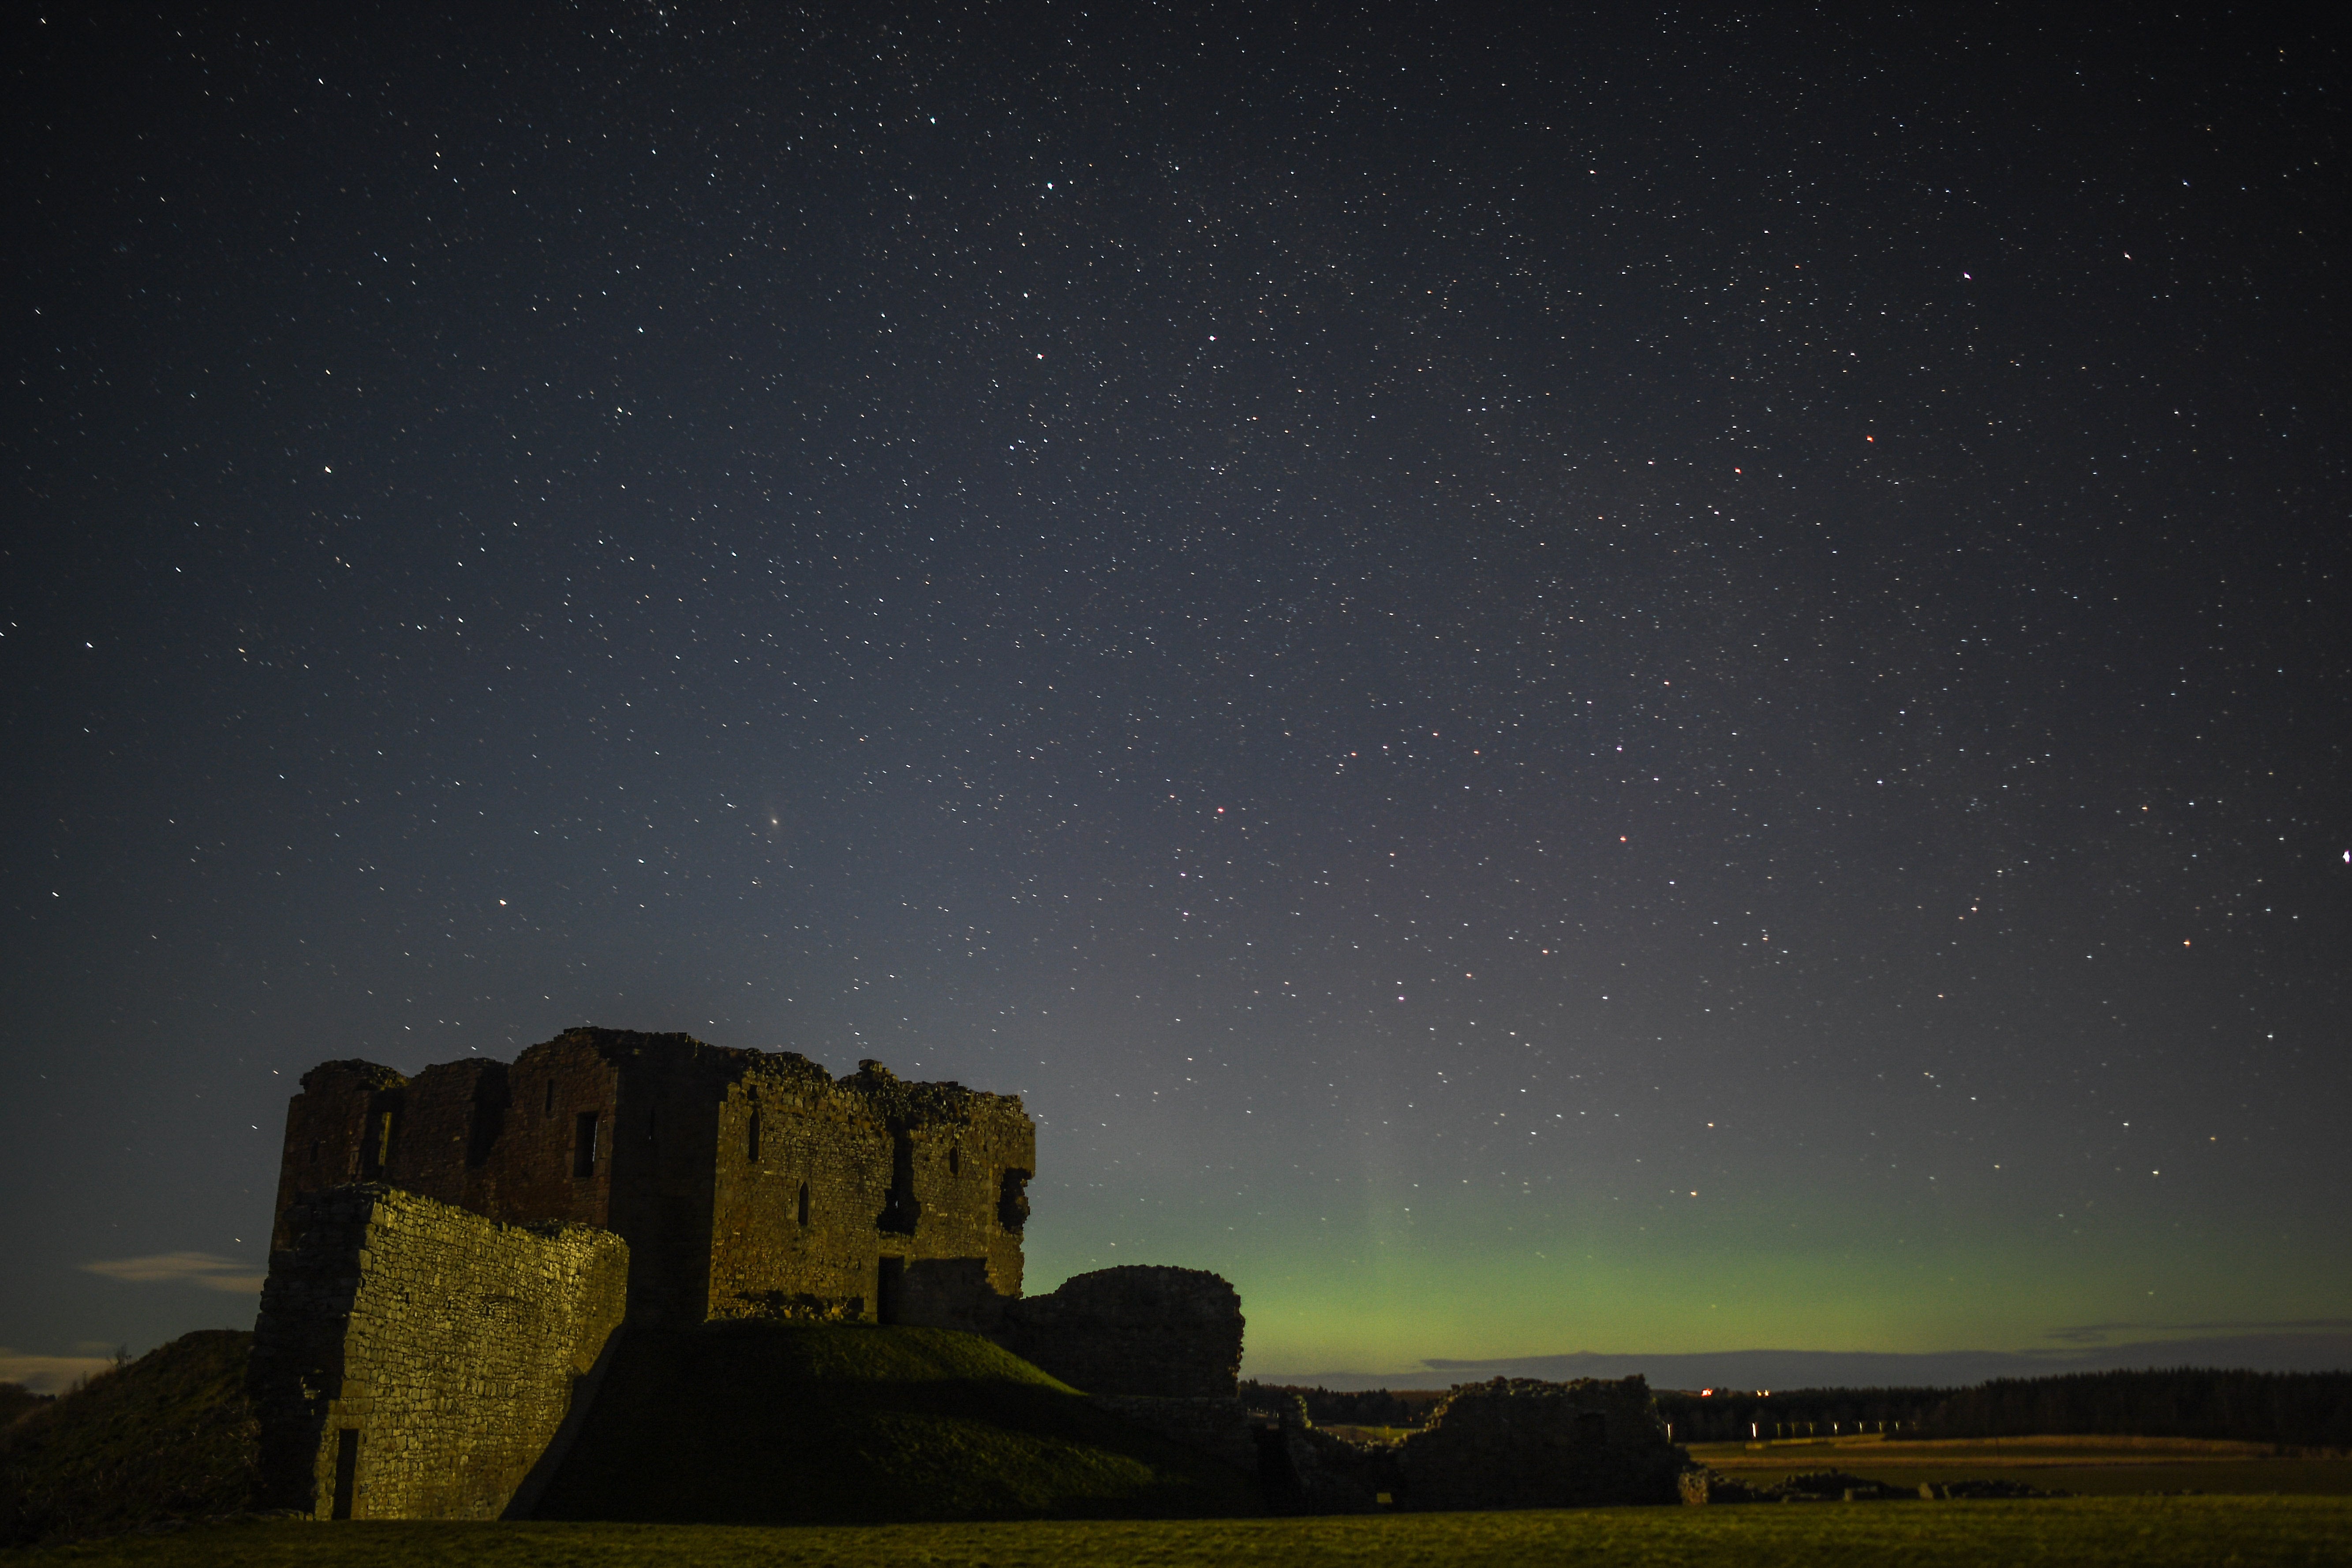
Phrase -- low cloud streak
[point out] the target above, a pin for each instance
(205, 1271)
(2266, 1352)
(50, 1373)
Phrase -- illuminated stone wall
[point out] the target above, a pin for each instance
(415, 1361)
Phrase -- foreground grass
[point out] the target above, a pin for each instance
(2089, 1465)
(2089, 1532)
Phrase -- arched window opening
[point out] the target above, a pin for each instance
(803, 1205)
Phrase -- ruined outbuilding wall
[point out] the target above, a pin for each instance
(1172, 1334)
(415, 1361)
(1526, 1443)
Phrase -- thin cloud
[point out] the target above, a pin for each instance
(205, 1271)
(50, 1373)
(2097, 1333)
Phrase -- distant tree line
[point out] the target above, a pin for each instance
(2301, 1409)
(1366, 1407)
(2297, 1409)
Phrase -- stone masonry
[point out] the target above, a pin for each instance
(1526, 1443)
(1138, 1330)
(747, 1183)
(415, 1360)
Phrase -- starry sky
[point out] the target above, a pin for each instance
(1646, 683)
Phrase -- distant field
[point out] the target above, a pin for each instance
(2155, 1533)
(2097, 1467)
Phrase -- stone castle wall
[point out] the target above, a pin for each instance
(866, 1197)
(1171, 1333)
(415, 1361)
(503, 1142)
(1526, 1443)
(746, 1183)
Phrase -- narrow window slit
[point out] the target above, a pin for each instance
(347, 1470)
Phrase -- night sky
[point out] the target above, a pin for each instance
(1657, 683)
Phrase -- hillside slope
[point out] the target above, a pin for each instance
(842, 1422)
(167, 1436)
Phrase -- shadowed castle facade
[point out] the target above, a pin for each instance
(745, 1183)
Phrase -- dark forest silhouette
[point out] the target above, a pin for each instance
(2294, 1409)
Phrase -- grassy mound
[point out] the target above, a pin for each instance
(842, 1422)
(16, 1400)
(168, 1436)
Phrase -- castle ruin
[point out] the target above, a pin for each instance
(745, 1184)
(454, 1255)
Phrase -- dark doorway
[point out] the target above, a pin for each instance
(890, 1289)
(347, 1469)
(375, 1144)
(899, 1214)
(488, 1119)
(1278, 1478)
(583, 1145)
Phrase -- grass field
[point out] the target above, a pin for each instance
(2091, 1466)
(2152, 1533)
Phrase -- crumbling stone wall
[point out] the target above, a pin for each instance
(1299, 1467)
(866, 1196)
(1526, 1443)
(746, 1183)
(1171, 1332)
(415, 1361)
(337, 1130)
